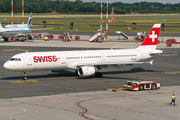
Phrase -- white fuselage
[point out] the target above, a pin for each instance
(13, 32)
(17, 26)
(34, 61)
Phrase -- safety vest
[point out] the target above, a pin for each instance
(173, 97)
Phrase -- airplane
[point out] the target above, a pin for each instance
(85, 63)
(15, 32)
(28, 25)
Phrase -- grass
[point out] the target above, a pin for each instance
(128, 20)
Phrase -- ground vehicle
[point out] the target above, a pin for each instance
(49, 36)
(141, 85)
(77, 37)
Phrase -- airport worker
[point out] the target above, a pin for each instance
(173, 99)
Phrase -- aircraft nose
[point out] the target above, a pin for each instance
(7, 65)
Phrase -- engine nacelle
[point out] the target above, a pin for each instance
(30, 37)
(86, 71)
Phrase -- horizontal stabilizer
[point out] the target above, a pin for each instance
(155, 52)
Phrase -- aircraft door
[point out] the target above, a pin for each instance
(63, 59)
(141, 55)
(29, 60)
(102, 57)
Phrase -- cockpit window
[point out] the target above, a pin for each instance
(15, 59)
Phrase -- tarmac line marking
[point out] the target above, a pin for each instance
(128, 110)
(173, 72)
(23, 81)
(81, 90)
(58, 86)
(15, 50)
(135, 98)
(168, 55)
(68, 88)
(46, 84)
(23, 110)
(82, 114)
(16, 81)
(32, 81)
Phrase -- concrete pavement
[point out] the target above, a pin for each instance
(99, 105)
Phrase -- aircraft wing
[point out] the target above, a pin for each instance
(111, 64)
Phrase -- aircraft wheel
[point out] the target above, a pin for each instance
(153, 87)
(141, 87)
(98, 75)
(5, 39)
(24, 78)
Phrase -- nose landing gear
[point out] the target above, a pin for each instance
(25, 77)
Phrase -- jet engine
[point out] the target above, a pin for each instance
(30, 37)
(86, 71)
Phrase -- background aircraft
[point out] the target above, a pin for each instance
(15, 32)
(28, 25)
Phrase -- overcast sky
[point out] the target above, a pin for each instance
(133, 1)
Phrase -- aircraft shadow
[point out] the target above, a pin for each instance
(70, 74)
(133, 70)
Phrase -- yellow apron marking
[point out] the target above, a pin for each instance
(32, 81)
(169, 55)
(16, 81)
(68, 88)
(135, 98)
(173, 72)
(46, 84)
(81, 90)
(15, 50)
(58, 86)
(115, 88)
(23, 81)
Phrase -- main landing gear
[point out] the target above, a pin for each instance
(5, 39)
(98, 74)
(25, 77)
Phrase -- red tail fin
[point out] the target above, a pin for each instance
(152, 37)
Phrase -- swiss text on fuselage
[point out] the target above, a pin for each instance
(45, 58)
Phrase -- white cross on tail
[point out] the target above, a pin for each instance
(153, 36)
